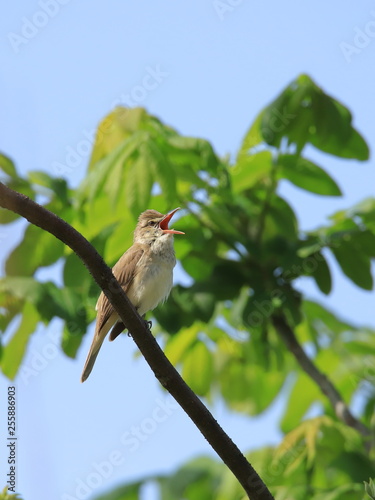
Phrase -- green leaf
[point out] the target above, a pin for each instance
(120, 239)
(302, 396)
(180, 343)
(281, 220)
(234, 387)
(334, 132)
(365, 241)
(303, 114)
(306, 175)
(343, 492)
(7, 166)
(196, 267)
(51, 301)
(163, 171)
(71, 341)
(324, 320)
(204, 305)
(226, 280)
(107, 173)
(254, 137)
(370, 488)
(250, 169)
(37, 249)
(319, 270)
(354, 264)
(138, 184)
(127, 492)
(128, 152)
(75, 273)
(23, 288)
(22, 186)
(264, 387)
(197, 153)
(58, 186)
(7, 216)
(5, 495)
(114, 129)
(197, 368)
(14, 351)
(66, 304)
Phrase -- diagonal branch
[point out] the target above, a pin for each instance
(160, 365)
(326, 386)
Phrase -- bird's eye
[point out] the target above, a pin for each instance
(152, 223)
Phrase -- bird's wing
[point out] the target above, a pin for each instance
(124, 271)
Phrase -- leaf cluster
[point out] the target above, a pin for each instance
(242, 256)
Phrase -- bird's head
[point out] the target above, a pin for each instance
(153, 225)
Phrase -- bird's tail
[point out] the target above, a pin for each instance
(94, 349)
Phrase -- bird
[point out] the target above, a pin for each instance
(145, 273)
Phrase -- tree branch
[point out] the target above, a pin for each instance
(160, 365)
(341, 409)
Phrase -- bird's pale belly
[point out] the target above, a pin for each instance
(151, 287)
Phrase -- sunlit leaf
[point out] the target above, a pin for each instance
(6, 216)
(306, 175)
(57, 185)
(303, 114)
(304, 392)
(197, 368)
(317, 267)
(113, 129)
(250, 169)
(354, 264)
(38, 248)
(15, 349)
(138, 184)
(180, 343)
(7, 166)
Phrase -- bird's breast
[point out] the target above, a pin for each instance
(153, 281)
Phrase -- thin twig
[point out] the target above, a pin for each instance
(326, 386)
(162, 368)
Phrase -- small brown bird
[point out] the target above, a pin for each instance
(145, 272)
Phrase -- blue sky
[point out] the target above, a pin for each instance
(64, 66)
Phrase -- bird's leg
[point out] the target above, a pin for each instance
(148, 323)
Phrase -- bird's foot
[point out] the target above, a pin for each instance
(149, 325)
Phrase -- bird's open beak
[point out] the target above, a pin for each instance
(165, 221)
